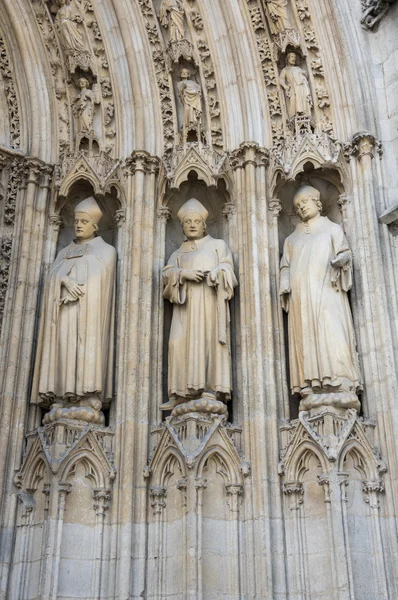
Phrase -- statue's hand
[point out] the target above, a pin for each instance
(212, 277)
(341, 260)
(194, 275)
(74, 288)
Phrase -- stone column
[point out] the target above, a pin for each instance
(163, 215)
(29, 208)
(134, 376)
(101, 505)
(294, 492)
(53, 549)
(372, 491)
(375, 311)
(334, 484)
(234, 499)
(259, 398)
(275, 208)
(158, 496)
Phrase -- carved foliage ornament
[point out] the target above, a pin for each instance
(162, 78)
(11, 97)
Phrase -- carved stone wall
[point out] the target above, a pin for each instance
(267, 502)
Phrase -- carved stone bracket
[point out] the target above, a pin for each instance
(158, 495)
(373, 11)
(164, 213)
(363, 144)
(294, 489)
(275, 207)
(229, 210)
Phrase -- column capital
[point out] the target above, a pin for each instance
(275, 206)
(158, 495)
(249, 153)
(363, 144)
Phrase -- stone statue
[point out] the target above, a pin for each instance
(74, 361)
(199, 281)
(316, 274)
(172, 16)
(190, 94)
(83, 107)
(297, 90)
(65, 20)
(276, 12)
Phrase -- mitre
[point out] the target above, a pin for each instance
(306, 190)
(91, 208)
(192, 206)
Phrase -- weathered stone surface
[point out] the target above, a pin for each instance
(144, 105)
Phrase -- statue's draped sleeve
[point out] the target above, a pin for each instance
(284, 278)
(340, 247)
(175, 291)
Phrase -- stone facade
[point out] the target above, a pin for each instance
(245, 490)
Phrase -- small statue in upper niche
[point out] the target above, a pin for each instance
(315, 276)
(190, 94)
(199, 281)
(66, 21)
(72, 40)
(295, 84)
(83, 108)
(172, 16)
(277, 16)
(74, 361)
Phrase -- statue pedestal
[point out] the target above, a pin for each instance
(62, 438)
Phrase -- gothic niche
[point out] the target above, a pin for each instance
(297, 94)
(95, 294)
(302, 336)
(212, 200)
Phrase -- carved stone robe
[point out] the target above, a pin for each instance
(172, 15)
(72, 37)
(299, 100)
(199, 344)
(322, 348)
(76, 340)
(190, 94)
(277, 16)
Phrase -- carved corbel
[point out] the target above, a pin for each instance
(164, 213)
(101, 501)
(229, 210)
(295, 491)
(371, 491)
(234, 496)
(275, 207)
(324, 480)
(120, 217)
(365, 144)
(55, 221)
(158, 502)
